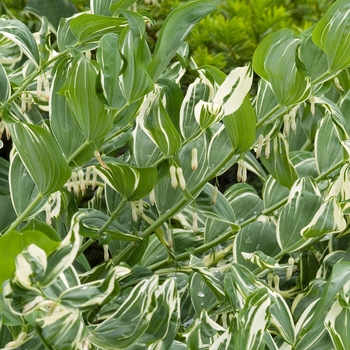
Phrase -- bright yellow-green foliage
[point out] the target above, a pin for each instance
(228, 38)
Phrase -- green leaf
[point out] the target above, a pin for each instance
(41, 156)
(266, 105)
(328, 149)
(4, 177)
(65, 37)
(94, 220)
(8, 215)
(64, 255)
(135, 81)
(90, 114)
(254, 319)
(132, 183)
(53, 10)
(312, 56)
(164, 323)
(5, 87)
(203, 331)
(156, 123)
(120, 4)
(331, 34)
(240, 127)
(64, 329)
(257, 236)
(189, 127)
(110, 60)
(101, 7)
(63, 125)
(87, 296)
(275, 56)
(213, 283)
(139, 306)
(23, 189)
(174, 31)
(218, 210)
(14, 242)
(328, 219)
(89, 28)
(244, 201)
(336, 321)
(310, 328)
(303, 203)
(273, 192)
(146, 153)
(17, 32)
(279, 164)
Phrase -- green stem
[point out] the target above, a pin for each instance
(268, 115)
(24, 215)
(177, 208)
(205, 247)
(31, 76)
(77, 151)
(103, 227)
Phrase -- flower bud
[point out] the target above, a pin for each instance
(47, 89)
(152, 197)
(293, 124)
(194, 221)
(88, 171)
(181, 178)
(76, 188)
(134, 211)
(88, 54)
(39, 84)
(337, 84)
(215, 195)
(80, 174)
(30, 101)
(267, 146)
(194, 160)
(173, 178)
(260, 144)
(286, 124)
(241, 171)
(289, 271)
(312, 105)
(140, 207)
(99, 159)
(105, 252)
(24, 102)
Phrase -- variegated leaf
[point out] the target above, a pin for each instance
(132, 183)
(333, 30)
(273, 58)
(139, 306)
(19, 33)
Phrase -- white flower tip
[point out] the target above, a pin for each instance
(173, 178)
(194, 159)
(181, 178)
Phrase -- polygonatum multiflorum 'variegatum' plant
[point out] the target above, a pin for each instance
(110, 148)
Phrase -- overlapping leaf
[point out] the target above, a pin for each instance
(274, 60)
(156, 123)
(174, 30)
(279, 164)
(41, 156)
(132, 183)
(331, 34)
(90, 114)
(17, 32)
